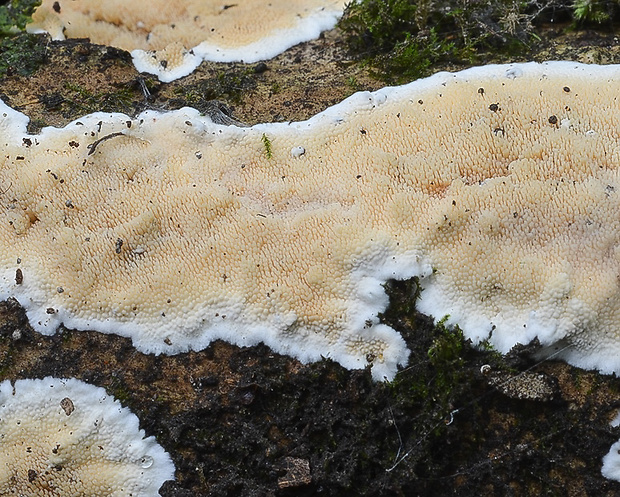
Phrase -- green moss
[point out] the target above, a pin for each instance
(267, 144)
(594, 11)
(228, 86)
(21, 54)
(119, 390)
(275, 88)
(79, 100)
(15, 15)
(403, 39)
(233, 84)
(353, 83)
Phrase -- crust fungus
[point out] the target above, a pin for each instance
(176, 231)
(68, 438)
(170, 39)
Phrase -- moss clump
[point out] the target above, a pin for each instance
(21, 55)
(403, 38)
(229, 86)
(79, 100)
(595, 11)
(15, 14)
(267, 144)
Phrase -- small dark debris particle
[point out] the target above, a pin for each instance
(420, 102)
(69, 204)
(60, 289)
(128, 124)
(55, 449)
(74, 144)
(163, 63)
(358, 176)
(499, 131)
(363, 131)
(56, 7)
(19, 157)
(566, 89)
(67, 406)
(32, 474)
(246, 395)
(206, 382)
(260, 68)
(50, 310)
(370, 358)
(27, 141)
(19, 276)
(481, 91)
(167, 341)
(119, 245)
(553, 119)
(493, 107)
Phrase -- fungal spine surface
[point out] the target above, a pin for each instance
(497, 186)
(63, 437)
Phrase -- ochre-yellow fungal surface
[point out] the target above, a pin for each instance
(497, 186)
(63, 437)
(170, 39)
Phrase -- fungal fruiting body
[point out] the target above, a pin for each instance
(67, 438)
(170, 39)
(497, 186)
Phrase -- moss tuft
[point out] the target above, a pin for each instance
(594, 11)
(15, 15)
(267, 143)
(402, 39)
(21, 55)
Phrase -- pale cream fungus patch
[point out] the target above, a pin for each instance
(63, 437)
(170, 39)
(498, 186)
